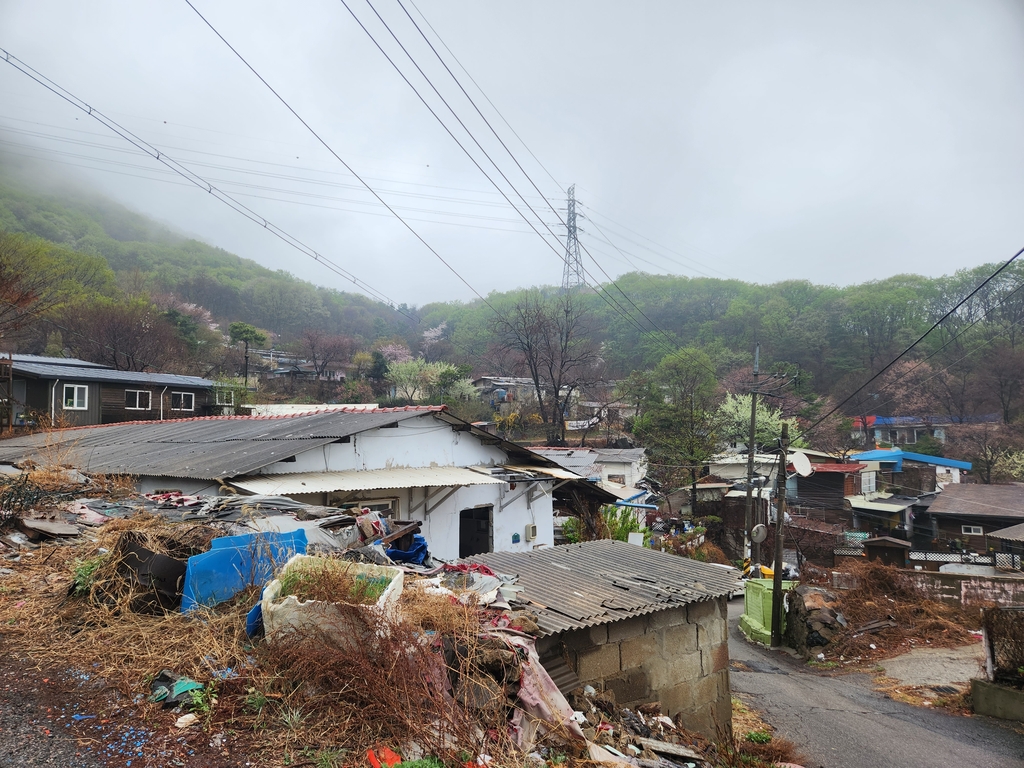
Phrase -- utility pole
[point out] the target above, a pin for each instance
(780, 517)
(748, 517)
(572, 276)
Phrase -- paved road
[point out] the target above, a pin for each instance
(840, 722)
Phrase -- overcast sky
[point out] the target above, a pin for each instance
(761, 141)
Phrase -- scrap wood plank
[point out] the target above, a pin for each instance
(48, 527)
(668, 748)
(411, 528)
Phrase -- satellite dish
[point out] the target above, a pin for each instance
(801, 464)
(758, 533)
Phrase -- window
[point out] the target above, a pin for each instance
(182, 401)
(867, 482)
(620, 479)
(971, 530)
(76, 397)
(136, 399)
(225, 397)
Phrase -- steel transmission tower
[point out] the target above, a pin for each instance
(572, 277)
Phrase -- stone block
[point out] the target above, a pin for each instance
(715, 659)
(712, 632)
(680, 668)
(638, 650)
(626, 628)
(677, 698)
(678, 639)
(706, 610)
(599, 635)
(671, 617)
(629, 688)
(597, 663)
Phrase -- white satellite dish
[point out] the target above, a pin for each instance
(758, 533)
(801, 464)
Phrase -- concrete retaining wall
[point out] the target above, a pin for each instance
(678, 657)
(968, 590)
(997, 700)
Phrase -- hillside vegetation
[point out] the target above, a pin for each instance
(120, 272)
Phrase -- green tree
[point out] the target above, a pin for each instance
(247, 334)
(682, 431)
(734, 417)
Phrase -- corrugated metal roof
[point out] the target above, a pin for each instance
(597, 582)
(363, 480)
(1013, 533)
(557, 472)
(579, 460)
(979, 500)
(81, 370)
(880, 504)
(203, 448)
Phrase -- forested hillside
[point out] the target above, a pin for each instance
(830, 339)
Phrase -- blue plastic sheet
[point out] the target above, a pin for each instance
(415, 554)
(236, 562)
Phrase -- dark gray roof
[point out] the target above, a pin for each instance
(597, 582)
(578, 460)
(620, 454)
(71, 369)
(977, 500)
(204, 448)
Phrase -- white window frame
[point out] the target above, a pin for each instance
(867, 482)
(181, 403)
(76, 389)
(225, 397)
(138, 397)
(972, 530)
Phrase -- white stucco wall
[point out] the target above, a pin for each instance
(419, 442)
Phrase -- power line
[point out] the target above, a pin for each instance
(339, 159)
(906, 351)
(670, 343)
(192, 177)
(472, 80)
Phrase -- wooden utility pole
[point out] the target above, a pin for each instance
(748, 517)
(780, 517)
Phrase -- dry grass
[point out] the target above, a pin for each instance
(404, 686)
(884, 592)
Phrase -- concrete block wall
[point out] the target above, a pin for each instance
(678, 657)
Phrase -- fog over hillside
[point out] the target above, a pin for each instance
(832, 143)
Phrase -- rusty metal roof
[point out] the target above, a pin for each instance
(202, 448)
(597, 582)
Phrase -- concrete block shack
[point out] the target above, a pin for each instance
(644, 625)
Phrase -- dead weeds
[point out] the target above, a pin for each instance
(885, 593)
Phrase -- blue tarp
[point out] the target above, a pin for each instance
(236, 562)
(415, 555)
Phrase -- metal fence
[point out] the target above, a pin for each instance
(1004, 560)
(1003, 630)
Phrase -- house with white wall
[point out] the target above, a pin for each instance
(473, 492)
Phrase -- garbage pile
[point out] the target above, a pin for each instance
(303, 624)
(882, 613)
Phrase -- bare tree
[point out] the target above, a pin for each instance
(551, 340)
(325, 350)
(35, 278)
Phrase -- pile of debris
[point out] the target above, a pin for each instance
(881, 614)
(305, 624)
(813, 619)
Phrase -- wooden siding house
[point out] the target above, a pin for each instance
(80, 393)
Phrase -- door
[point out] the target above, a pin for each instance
(475, 533)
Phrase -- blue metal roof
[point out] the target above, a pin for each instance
(897, 456)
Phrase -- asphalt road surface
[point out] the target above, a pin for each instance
(840, 722)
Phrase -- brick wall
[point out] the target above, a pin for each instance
(678, 657)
